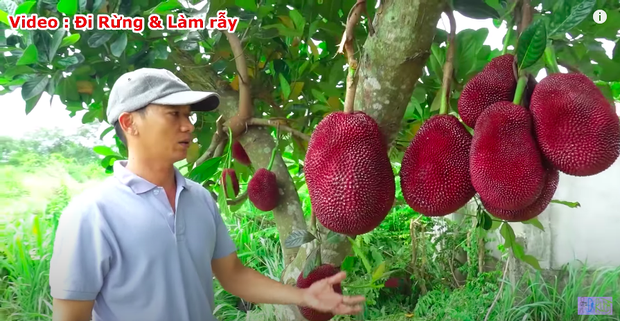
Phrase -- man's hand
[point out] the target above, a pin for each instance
(322, 297)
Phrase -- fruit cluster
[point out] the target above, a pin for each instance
(262, 188)
(513, 159)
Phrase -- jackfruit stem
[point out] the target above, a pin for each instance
(229, 154)
(520, 89)
(275, 149)
(346, 45)
(551, 61)
(448, 65)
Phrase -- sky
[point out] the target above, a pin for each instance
(15, 123)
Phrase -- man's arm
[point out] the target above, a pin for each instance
(252, 286)
(71, 310)
(80, 261)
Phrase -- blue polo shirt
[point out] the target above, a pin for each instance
(121, 245)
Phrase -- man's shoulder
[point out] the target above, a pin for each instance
(92, 197)
(200, 190)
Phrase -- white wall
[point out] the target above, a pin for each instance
(588, 233)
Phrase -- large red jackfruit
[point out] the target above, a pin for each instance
(434, 173)
(576, 127)
(552, 178)
(321, 272)
(263, 190)
(495, 82)
(348, 173)
(233, 178)
(239, 154)
(506, 165)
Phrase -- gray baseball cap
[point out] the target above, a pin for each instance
(141, 87)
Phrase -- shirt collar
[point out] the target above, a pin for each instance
(138, 184)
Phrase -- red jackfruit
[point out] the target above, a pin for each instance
(552, 178)
(348, 173)
(235, 182)
(434, 174)
(495, 82)
(263, 190)
(576, 127)
(239, 154)
(506, 165)
(319, 273)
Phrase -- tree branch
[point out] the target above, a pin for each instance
(499, 292)
(347, 44)
(267, 122)
(218, 137)
(240, 199)
(246, 109)
(448, 67)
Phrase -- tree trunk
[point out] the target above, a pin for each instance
(392, 62)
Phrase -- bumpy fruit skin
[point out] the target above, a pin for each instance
(434, 173)
(239, 154)
(348, 173)
(576, 127)
(235, 182)
(319, 273)
(506, 165)
(552, 178)
(263, 190)
(495, 82)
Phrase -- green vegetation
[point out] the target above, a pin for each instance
(436, 287)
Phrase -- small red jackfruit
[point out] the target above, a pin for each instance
(434, 173)
(263, 190)
(321, 272)
(392, 283)
(239, 154)
(576, 127)
(348, 173)
(233, 178)
(506, 165)
(495, 82)
(552, 178)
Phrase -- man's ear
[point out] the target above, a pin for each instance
(127, 123)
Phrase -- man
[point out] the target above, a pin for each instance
(146, 243)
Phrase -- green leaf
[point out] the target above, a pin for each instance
(18, 70)
(476, 9)
(531, 261)
(118, 46)
(312, 261)
(298, 238)
(30, 56)
(286, 88)
(567, 203)
(517, 250)
(4, 17)
(247, 5)
(56, 41)
(486, 221)
(508, 234)
(99, 38)
(298, 20)
(106, 131)
(333, 237)
(531, 45)
(378, 272)
(32, 102)
(347, 264)
(70, 40)
(165, 7)
(109, 160)
(68, 7)
(34, 86)
(25, 7)
(104, 151)
(577, 14)
(535, 222)
(495, 225)
(205, 170)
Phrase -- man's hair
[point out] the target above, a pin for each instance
(119, 130)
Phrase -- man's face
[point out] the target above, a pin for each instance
(164, 132)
